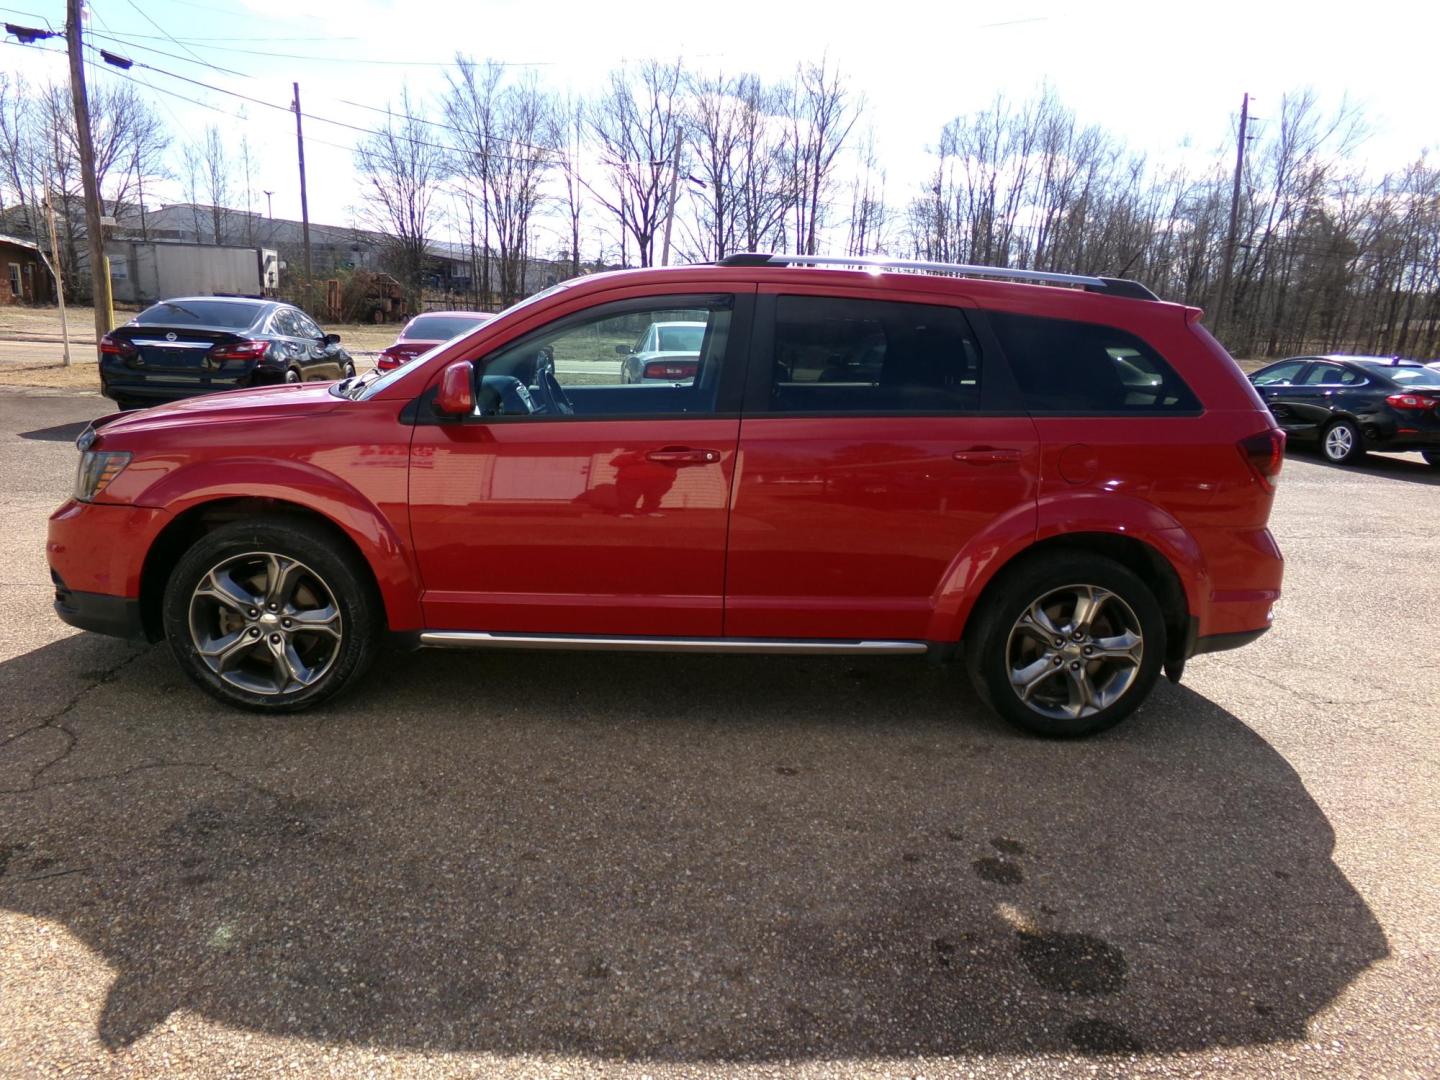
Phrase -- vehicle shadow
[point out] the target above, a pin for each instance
(1411, 467)
(58, 433)
(699, 859)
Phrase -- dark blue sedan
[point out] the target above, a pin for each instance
(1354, 404)
(200, 344)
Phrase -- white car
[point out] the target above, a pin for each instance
(668, 353)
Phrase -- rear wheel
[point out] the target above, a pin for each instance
(292, 375)
(1342, 443)
(1067, 645)
(271, 615)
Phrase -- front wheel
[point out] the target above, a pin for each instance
(292, 375)
(1067, 645)
(1342, 443)
(271, 614)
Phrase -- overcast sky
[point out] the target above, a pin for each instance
(1160, 75)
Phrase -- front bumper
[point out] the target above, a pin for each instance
(118, 616)
(96, 553)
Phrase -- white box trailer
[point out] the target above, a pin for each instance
(144, 271)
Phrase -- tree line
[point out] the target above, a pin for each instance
(663, 162)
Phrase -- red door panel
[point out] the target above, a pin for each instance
(574, 526)
(845, 527)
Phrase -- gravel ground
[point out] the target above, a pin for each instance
(689, 866)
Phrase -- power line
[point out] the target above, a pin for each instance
(312, 57)
(199, 41)
(141, 12)
(173, 56)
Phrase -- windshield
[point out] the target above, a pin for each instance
(226, 313)
(367, 386)
(1406, 375)
(442, 327)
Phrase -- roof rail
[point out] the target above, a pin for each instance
(1109, 286)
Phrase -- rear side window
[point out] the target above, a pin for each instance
(1086, 368)
(1279, 374)
(1331, 375)
(833, 354)
(229, 315)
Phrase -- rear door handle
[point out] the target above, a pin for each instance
(987, 455)
(683, 455)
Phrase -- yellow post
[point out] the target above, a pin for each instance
(108, 300)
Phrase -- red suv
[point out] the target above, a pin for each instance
(1060, 478)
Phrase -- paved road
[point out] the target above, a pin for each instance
(685, 866)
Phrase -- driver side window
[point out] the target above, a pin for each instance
(658, 356)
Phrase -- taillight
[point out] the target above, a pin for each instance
(1412, 401)
(240, 350)
(1265, 453)
(113, 346)
(671, 369)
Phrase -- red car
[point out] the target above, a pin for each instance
(424, 332)
(1067, 482)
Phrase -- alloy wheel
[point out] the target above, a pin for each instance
(265, 623)
(1074, 651)
(1339, 442)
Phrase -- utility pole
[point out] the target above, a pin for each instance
(1221, 308)
(674, 193)
(304, 199)
(99, 277)
(59, 274)
(269, 209)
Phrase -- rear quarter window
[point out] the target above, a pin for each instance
(1062, 366)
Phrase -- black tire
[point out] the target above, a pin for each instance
(1341, 443)
(292, 375)
(348, 371)
(1431, 457)
(995, 634)
(310, 563)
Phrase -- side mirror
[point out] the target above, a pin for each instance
(332, 339)
(456, 396)
(623, 350)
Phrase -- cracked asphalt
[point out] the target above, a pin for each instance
(696, 866)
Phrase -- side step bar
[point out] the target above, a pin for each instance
(467, 639)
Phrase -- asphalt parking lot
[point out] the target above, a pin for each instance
(556, 864)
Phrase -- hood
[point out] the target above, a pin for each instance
(262, 405)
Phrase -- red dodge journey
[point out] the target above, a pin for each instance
(1059, 480)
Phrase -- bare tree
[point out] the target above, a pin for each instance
(401, 170)
(215, 170)
(637, 124)
(821, 113)
(869, 217)
(568, 136)
(505, 134)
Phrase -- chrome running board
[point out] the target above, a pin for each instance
(469, 639)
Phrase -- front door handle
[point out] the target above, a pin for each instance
(683, 455)
(987, 455)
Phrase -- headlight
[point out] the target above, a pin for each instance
(97, 469)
